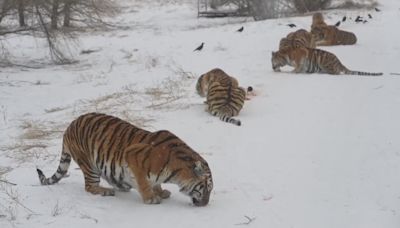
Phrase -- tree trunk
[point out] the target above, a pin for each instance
(67, 13)
(54, 14)
(21, 9)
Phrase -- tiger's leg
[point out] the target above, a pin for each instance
(92, 180)
(144, 186)
(163, 193)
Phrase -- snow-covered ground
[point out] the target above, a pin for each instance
(313, 150)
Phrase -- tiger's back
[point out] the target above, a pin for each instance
(225, 101)
(214, 75)
(299, 38)
(129, 157)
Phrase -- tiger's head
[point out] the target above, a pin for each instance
(190, 172)
(200, 185)
(201, 86)
(278, 60)
(318, 19)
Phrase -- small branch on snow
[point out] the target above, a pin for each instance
(7, 182)
(249, 220)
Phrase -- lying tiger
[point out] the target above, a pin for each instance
(299, 38)
(129, 157)
(225, 98)
(327, 35)
(309, 60)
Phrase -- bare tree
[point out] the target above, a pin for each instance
(54, 14)
(21, 9)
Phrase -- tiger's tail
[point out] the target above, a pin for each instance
(361, 73)
(65, 161)
(227, 119)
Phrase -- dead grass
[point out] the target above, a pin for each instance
(129, 103)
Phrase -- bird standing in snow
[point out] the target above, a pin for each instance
(369, 15)
(291, 25)
(344, 19)
(199, 47)
(240, 30)
(377, 10)
(337, 24)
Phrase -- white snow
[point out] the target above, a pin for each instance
(313, 150)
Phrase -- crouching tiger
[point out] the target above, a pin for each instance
(327, 35)
(129, 157)
(225, 98)
(308, 60)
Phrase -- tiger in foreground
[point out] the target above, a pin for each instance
(129, 157)
(308, 60)
(299, 38)
(327, 35)
(225, 98)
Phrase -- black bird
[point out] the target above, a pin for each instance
(377, 10)
(358, 19)
(291, 25)
(199, 47)
(240, 30)
(344, 19)
(337, 24)
(369, 15)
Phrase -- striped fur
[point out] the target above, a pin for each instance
(225, 98)
(318, 20)
(225, 101)
(212, 76)
(129, 157)
(308, 60)
(299, 38)
(328, 35)
(331, 35)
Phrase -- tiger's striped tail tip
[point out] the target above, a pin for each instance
(42, 177)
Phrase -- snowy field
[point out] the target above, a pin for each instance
(313, 151)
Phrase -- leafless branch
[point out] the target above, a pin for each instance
(7, 182)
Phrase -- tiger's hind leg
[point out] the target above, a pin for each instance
(163, 193)
(92, 180)
(92, 185)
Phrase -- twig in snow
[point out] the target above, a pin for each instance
(249, 220)
(163, 103)
(7, 182)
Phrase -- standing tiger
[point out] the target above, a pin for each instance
(327, 35)
(129, 157)
(299, 38)
(225, 98)
(308, 60)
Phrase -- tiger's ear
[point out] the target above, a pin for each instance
(198, 168)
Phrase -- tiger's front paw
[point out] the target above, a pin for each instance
(153, 200)
(165, 194)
